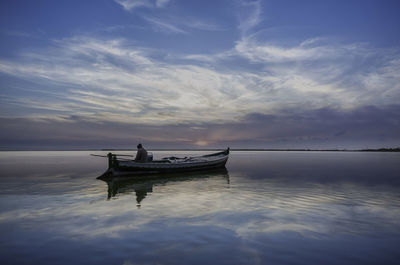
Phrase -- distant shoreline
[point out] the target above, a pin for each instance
(269, 150)
(397, 149)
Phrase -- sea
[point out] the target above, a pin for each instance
(266, 207)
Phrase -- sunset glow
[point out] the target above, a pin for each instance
(201, 143)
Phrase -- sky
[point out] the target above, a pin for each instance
(99, 74)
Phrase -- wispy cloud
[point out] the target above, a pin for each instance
(132, 4)
(179, 25)
(264, 52)
(125, 81)
(314, 73)
(249, 15)
(113, 80)
(167, 22)
(201, 25)
(164, 26)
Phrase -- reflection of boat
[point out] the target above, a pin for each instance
(143, 184)
(121, 166)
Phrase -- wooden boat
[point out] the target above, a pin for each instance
(118, 166)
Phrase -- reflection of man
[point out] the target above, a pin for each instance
(141, 155)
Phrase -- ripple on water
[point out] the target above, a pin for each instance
(269, 207)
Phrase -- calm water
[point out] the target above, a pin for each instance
(267, 208)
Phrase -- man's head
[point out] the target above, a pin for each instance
(139, 146)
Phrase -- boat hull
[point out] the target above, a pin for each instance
(207, 162)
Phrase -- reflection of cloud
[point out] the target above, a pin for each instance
(251, 230)
(247, 209)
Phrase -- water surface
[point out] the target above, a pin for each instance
(266, 208)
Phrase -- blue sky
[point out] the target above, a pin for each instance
(170, 73)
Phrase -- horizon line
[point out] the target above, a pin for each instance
(383, 149)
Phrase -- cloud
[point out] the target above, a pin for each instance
(124, 82)
(249, 15)
(202, 25)
(255, 94)
(164, 26)
(264, 52)
(113, 80)
(167, 23)
(180, 25)
(362, 127)
(132, 4)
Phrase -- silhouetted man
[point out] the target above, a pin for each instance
(141, 155)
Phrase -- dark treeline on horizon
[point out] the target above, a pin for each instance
(397, 149)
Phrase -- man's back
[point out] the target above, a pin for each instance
(141, 155)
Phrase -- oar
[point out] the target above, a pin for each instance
(113, 154)
(98, 155)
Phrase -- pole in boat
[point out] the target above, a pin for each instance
(110, 160)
